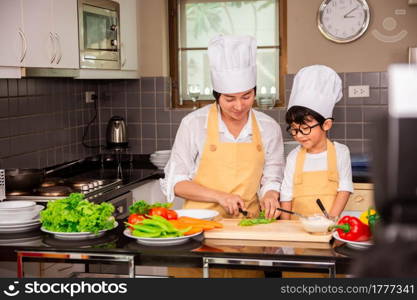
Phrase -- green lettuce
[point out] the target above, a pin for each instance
(75, 214)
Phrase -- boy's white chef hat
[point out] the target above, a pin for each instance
(232, 63)
(318, 88)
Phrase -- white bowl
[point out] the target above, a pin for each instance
(204, 214)
(17, 205)
(20, 216)
(316, 224)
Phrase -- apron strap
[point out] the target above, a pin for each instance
(299, 166)
(332, 173)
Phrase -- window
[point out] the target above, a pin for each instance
(194, 22)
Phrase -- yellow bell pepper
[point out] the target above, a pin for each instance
(364, 215)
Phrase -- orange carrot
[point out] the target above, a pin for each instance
(194, 229)
(189, 220)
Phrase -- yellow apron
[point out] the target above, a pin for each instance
(308, 186)
(234, 168)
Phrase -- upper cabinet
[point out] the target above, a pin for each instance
(51, 31)
(65, 29)
(40, 34)
(37, 29)
(128, 35)
(13, 41)
(44, 34)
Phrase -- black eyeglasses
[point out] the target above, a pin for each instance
(304, 129)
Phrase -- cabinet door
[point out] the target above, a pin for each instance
(11, 37)
(37, 26)
(65, 22)
(128, 35)
(362, 198)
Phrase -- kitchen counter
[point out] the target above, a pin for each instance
(266, 255)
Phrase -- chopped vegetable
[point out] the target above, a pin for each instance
(75, 214)
(256, 221)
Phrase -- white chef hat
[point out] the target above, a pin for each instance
(232, 63)
(318, 88)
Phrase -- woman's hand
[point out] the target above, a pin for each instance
(231, 203)
(269, 204)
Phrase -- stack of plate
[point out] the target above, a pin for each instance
(19, 216)
(160, 158)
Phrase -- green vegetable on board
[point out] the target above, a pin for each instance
(256, 221)
(75, 214)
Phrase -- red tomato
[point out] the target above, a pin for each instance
(172, 214)
(159, 211)
(134, 219)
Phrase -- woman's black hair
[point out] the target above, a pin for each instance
(217, 95)
(301, 114)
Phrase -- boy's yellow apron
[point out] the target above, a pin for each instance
(234, 168)
(308, 186)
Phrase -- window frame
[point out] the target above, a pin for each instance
(173, 23)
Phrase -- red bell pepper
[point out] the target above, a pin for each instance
(352, 229)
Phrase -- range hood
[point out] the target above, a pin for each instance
(49, 72)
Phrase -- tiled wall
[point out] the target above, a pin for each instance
(42, 121)
(152, 125)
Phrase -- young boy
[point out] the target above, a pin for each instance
(317, 168)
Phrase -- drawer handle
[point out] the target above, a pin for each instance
(358, 199)
(120, 209)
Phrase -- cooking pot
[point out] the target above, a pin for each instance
(23, 179)
(28, 179)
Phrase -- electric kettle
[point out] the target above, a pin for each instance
(116, 133)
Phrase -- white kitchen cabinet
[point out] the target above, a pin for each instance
(11, 35)
(151, 192)
(37, 27)
(65, 30)
(39, 34)
(128, 35)
(362, 197)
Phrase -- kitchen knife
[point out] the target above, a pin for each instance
(291, 212)
(243, 212)
(320, 204)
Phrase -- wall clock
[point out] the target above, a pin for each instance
(343, 21)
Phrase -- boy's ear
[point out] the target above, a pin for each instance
(327, 124)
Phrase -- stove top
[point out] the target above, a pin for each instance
(58, 189)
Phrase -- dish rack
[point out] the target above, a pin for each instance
(2, 185)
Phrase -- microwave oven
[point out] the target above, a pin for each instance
(99, 34)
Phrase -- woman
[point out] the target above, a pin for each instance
(225, 155)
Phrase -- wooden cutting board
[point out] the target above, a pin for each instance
(281, 230)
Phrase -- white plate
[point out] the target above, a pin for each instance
(352, 213)
(204, 214)
(20, 224)
(77, 235)
(352, 244)
(16, 205)
(160, 241)
(20, 227)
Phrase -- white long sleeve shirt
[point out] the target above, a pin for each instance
(190, 140)
(318, 162)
